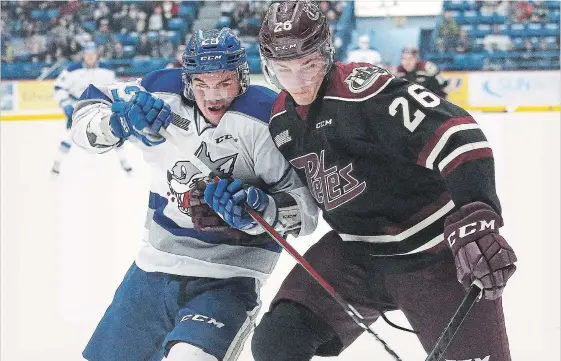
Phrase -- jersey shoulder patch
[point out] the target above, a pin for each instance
(164, 81)
(256, 102)
(357, 81)
(74, 66)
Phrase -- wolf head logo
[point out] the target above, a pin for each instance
(183, 175)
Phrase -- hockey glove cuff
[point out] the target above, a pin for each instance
(480, 252)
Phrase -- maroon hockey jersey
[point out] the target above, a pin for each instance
(385, 159)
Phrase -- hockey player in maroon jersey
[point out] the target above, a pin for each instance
(421, 72)
(406, 181)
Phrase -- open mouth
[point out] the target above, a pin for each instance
(216, 108)
(183, 202)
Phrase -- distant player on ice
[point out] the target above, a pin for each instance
(193, 291)
(422, 72)
(407, 182)
(70, 84)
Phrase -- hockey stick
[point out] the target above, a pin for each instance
(349, 309)
(474, 294)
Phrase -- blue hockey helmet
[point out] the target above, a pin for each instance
(210, 51)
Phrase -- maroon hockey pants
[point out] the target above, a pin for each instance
(424, 287)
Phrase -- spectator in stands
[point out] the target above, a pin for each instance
(141, 22)
(34, 43)
(72, 50)
(439, 46)
(103, 35)
(101, 12)
(464, 45)
(449, 31)
(170, 9)
(544, 45)
(541, 12)
(60, 33)
(82, 36)
(156, 20)
(144, 47)
(497, 41)
(127, 23)
(163, 47)
(521, 11)
(529, 51)
(490, 7)
(8, 53)
(178, 63)
(364, 54)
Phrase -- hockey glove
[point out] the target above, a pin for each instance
(143, 116)
(480, 252)
(203, 217)
(68, 110)
(229, 198)
(206, 220)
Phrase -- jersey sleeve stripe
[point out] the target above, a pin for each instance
(444, 139)
(461, 155)
(468, 156)
(439, 133)
(406, 233)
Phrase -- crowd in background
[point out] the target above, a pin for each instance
(453, 39)
(246, 16)
(63, 36)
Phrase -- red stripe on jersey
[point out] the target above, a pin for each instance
(465, 157)
(280, 104)
(419, 216)
(427, 149)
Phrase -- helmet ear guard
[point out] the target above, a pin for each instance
(210, 51)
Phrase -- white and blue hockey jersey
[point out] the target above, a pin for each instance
(240, 146)
(72, 82)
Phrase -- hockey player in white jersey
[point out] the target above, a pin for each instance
(70, 84)
(193, 291)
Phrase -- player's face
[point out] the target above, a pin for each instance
(214, 92)
(408, 62)
(301, 77)
(90, 58)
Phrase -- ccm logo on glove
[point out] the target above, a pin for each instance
(469, 229)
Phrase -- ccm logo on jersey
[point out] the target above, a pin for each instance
(211, 57)
(225, 137)
(203, 318)
(324, 123)
(487, 358)
(471, 228)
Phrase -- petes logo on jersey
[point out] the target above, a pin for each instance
(363, 77)
(331, 187)
(183, 175)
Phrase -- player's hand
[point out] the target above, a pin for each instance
(203, 217)
(143, 116)
(206, 220)
(68, 110)
(480, 252)
(229, 198)
(146, 111)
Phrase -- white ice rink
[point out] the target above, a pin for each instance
(66, 244)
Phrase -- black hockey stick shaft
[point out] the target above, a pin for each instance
(349, 309)
(473, 295)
